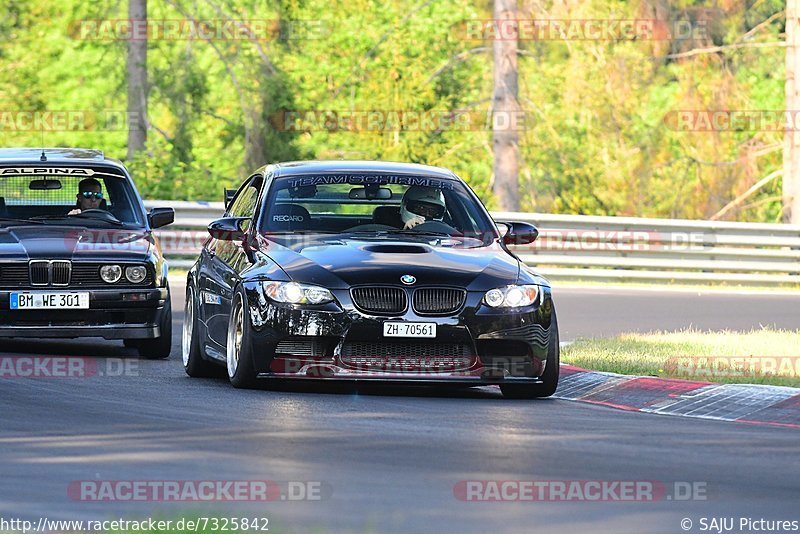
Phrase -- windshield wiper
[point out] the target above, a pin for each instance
(395, 232)
(115, 222)
(48, 217)
(298, 232)
(417, 232)
(363, 232)
(11, 219)
(41, 218)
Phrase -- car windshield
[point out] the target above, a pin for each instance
(82, 197)
(375, 204)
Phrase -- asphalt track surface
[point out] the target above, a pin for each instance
(391, 460)
(597, 312)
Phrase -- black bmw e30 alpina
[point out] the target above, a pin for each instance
(368, 271)
(78, 257)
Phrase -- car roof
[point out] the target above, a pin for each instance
(30, 155)
(328, 166)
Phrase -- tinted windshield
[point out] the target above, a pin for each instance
(374, 203)
(83, 197)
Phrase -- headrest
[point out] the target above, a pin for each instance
(288, 217)
(388, 215)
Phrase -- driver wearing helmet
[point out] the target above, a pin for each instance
(421, 204)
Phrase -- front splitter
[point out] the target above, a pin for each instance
(332, 373)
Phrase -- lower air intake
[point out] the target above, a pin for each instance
(407, 357)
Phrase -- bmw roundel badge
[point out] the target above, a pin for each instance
(407, 279)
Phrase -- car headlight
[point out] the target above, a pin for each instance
(135, 273)
(110, 273)
(511, 296)
(294, 293)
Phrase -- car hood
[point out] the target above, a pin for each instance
(338, 263)
(68, 242)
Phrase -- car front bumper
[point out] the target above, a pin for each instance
(112, 314)
(491, 347)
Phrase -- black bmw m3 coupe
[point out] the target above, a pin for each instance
(370, 272)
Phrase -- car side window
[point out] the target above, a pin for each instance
(244, 205)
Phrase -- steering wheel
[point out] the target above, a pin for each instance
(96, 213)
(436, 226)
(371, 227)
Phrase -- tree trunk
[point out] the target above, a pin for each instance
(137, 77)
(791, 138)
(506, 109)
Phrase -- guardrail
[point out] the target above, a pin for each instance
(577, 247)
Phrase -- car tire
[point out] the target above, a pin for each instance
(158, 348)
(194, 363)
(239, 346)
(549, 377)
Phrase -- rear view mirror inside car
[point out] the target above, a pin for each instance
(303, 191)
(41, 185)
(370, 193)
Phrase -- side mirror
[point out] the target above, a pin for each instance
(227, 229)
(520, 233)
(229, 194)
(159, 217)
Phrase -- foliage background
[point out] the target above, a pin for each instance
(596, 140)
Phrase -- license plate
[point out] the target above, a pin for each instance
(49, 301)
(409, 329)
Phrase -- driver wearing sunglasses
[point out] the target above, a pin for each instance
(90, 195)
